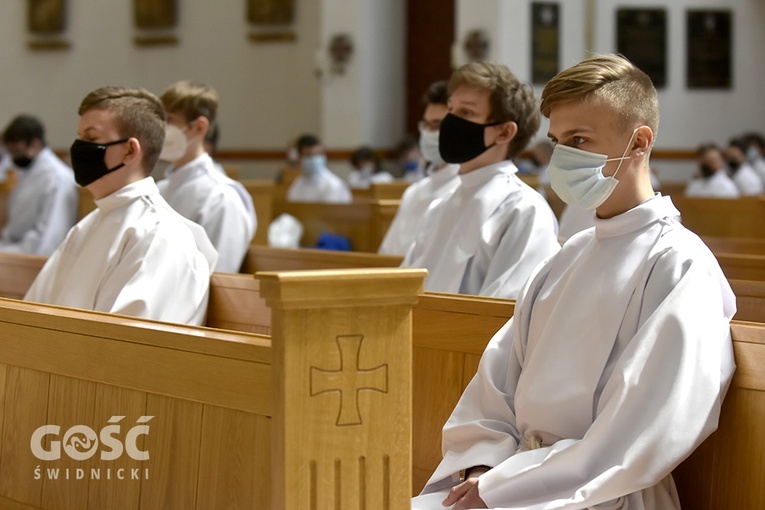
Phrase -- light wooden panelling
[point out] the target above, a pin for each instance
(26, 409)
(109, 492)
(437, 387)
(70, 403)
(174, 446)
(231, 440)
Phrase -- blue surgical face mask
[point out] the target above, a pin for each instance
(313, 164)
(752, 154)
(577, 175)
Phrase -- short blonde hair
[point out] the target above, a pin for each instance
(612, 79)
(138, 113)
(510, 100)
(192, 100)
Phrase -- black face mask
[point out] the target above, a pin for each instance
(733, 165)
(706, 171)
(22, 162)
(88, 161)
(460, 140)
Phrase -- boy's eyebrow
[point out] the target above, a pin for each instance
(571, 132)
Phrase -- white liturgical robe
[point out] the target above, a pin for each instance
(611, 372)
(133, 255)
(759, 166)
(574, 219)
(324, 186)
(41, 208)
(485, 238)
(220, 204)
(364, 178)
(414, 203)
(747, 180)
(719, 185)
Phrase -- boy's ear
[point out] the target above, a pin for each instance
(507, 132)
(202, 124)
(134, 151)
(643, 141)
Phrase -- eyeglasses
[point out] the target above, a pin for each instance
(432, 125)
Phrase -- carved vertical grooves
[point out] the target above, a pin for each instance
(312, 489)
(362, 483)
(386, 482)
(338, 486)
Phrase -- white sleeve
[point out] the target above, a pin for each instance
(229, 227)
(161, 275)
(392, 242)
(339, 192)
(529, 240)
(57, 216)
(661, 401)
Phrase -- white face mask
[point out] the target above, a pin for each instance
(429, 147)
(752, 154)
(312, 165)
(175, 144)
(577, 176)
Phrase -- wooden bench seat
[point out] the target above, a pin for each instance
(719, 217)
(364, 222)
(264, 258)
(450, 333)
(742, 266)
(230, 419)
(735, 245)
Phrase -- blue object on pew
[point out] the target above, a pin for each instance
(329, 241)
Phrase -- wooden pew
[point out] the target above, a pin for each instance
(389, 190)
(265, 258)
(750, 300)
(230, 419)
(742, 266)
(723, 217)
(450, 333)
(738, 245)
(5, 190)
(364, 223)
(728, 469)
(262, 193)
(17, 272)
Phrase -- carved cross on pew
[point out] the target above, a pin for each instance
(349, 379)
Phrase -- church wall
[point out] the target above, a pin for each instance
(270, 91)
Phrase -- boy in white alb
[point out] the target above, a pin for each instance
(713, 180)
(440, 177)
(316, 183)
(193, 186)
(132, 255)
(615, 364)
(487, 236)
(42, 206)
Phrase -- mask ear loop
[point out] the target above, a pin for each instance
(624, 154)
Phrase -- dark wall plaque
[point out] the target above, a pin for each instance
(709, 49)
(270, 12)
(46, 16)
(641, 36)
(544, 41)
(153, 14)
